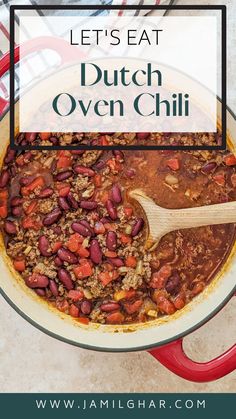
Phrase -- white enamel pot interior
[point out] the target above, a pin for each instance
(116, 338)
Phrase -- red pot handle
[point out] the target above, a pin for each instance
(173, 357)
(67, 52)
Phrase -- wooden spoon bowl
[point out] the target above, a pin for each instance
(162, 221)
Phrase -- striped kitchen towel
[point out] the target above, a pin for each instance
(44, 65)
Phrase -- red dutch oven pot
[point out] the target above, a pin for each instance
(164, 341)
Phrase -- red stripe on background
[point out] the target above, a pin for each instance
(124, 2)
(5, 31)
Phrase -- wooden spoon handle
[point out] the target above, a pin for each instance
(202, 216)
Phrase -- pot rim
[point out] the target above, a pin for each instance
(117, 350)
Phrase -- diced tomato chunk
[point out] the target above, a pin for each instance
(173, 164)
(179, 302)
(128, 211)
(110, 254)
(3, 203)
(114, 165)
(133, 307)
(64, 159)
(160, 277)
(74, 311)
(62, 305)
(125, 239)
(31, 222)
(219, 178)
(74, 242)
(115, 318)
(107, 277)
(31, 208)
(230, 160)
(36, 183)
(56, 246)
(45, 135)
(75, 295)
(64, 190)
(97, 180)
(3, 211)
(83, 252)
(124, 294)
(233, 180)
(166, 306)
(83, 270)
(130, 262)
(19, 265)
(83, 320)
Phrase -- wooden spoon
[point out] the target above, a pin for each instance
(162, 221)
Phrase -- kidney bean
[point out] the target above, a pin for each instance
(219, 139)
(99, 165)
(77, 152)
(72, 201)
(118, 154)
(37, 281)
(27, 156)
(86, 307)
(23, 142)
(116, 194)
(111, 240)
(63, 203)
(46, 193)
(105, 220)
(81, 229)
(110, 307)
(53, 166)
(30, 136)
(89, 205)
(53, 287)
(13, 170)
(117, 262)
(10, 155)
(53, 140)
(17, 211)
(52, 217)
(43, 246)
(57, 230)
(40, 291)
(64, 175)
(26, 180)
(58, 261)
(172, 284)
(95, 252)
(86, 224)
(142, 135)
(65, 278)
(10, 227)
(83, 170)
(96, 141)
(209, 167)
(66, 255)
(15, 201)
(130, 173)
(4, 178)
(111, 209)
(20, 137)
(137, 227)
